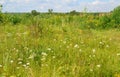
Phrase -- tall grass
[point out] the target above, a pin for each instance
(58, 46)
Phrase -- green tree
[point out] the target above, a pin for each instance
(73, 12)
(50, 11)
(1, 8)
(34, 12)
(116, 15)
(1, 15)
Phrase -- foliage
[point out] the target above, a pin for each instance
(1, 8)
(50, 11)
(105, 22)
(59, 45)
(116, 15)
(1, 18)
(74, 12)
(34, 13)
(15, 19)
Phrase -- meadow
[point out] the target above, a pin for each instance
(59, 45)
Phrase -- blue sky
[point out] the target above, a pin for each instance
(58, 5)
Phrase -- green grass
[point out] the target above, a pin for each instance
(58, 51)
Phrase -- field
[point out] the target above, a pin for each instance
(51, 45)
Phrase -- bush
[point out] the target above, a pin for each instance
(15, 20)
(105, 22)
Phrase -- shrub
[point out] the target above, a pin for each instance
(105, 22)
(15, 19)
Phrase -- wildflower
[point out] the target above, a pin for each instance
(26, 48)
(24, 65)
(30, 50)
(43, 58)
(118, 54)
(64, 42)
(28, 64)
(93, 50)
(80, 50)
(107, 46)
(67, 46)
(14, 48)
(82, 42)
(90, 56)
(44, 54)
(100, 42)
(110, 39)
(20, 59)
(53, 57)
(54, 39)
(49, 49)
(17, 50)
(11, 61)
(91, 70)
(17, 67)
(20, 62)
(76, 46)
(93, 55)
(32, 56)
(98, 65)
(1, 66)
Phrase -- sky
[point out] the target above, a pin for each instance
(59, 5)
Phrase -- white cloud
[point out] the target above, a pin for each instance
(59, 5)
(19, 1)
(97, 2)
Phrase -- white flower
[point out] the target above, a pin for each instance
(98, 65)
(80, 50)
(110, 39)
(20, 59)
(54, 39)
(27, 63)
(107, 46)
(32, 56)
(64, 42)
(67, 46)
(53, 57)
(93, 55)
(91, 70)
(118, 54)
(30, 50)
(20, 62)
(17, 50)
(101, 42)
(11, 61)
(24, 65)
(17, 67)
(90, 56)
(49, 49)
(93, 50)
(44, 54)
(43, 59)
(76, 46)
(1, 66)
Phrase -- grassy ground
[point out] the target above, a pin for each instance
(58, 51)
